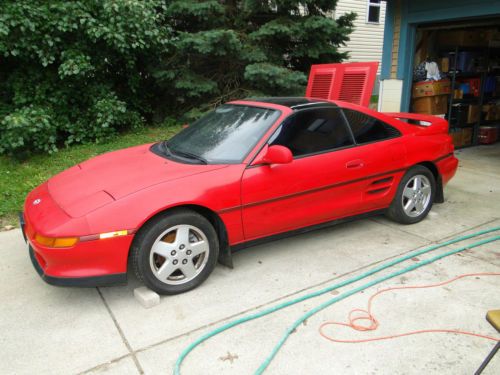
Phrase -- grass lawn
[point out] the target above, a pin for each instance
(18, 178)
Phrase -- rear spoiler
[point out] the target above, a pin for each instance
(430, 124)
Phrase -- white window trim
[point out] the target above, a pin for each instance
(375, 5)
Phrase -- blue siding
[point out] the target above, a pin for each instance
(424, 11)
(387, 47)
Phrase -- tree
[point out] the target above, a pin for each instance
(230, 49)
(79, 71)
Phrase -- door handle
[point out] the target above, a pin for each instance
(355, 164)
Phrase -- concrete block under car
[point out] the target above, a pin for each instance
(146, 297)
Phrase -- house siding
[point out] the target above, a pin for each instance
(367, 39)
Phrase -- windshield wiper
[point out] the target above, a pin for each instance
(189, 155)
(165, 148)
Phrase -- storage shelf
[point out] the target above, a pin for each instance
(456, 77)
(467, 100)
(490, 122)
(487, 98)
(467, 74)
(451, 49)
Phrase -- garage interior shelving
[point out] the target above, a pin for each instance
(481, 98)
(485, 70)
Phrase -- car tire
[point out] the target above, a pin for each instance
(414, 197)
(175, 252)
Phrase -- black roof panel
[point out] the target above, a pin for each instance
(293, 102)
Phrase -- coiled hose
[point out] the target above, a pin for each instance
(340, 297)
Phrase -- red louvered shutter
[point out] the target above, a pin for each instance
(350, 82)
(322, 82)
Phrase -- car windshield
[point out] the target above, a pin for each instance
(225, 135)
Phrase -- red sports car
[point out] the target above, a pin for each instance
(248, 171)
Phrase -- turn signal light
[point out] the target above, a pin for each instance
(56, 242)
(113, 234)
(103, 236)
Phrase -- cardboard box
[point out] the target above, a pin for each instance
(495, 34)
(491, 112)
(432, 105)
(474, 113)
(466, 136)
(456, 136)
(444, 64)
(431, 88)
(494, 43)
(494, 38)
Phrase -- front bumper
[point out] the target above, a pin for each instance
(93, 281)
(87, 264)
(22, 225)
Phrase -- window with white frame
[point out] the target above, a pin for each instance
(373, 14)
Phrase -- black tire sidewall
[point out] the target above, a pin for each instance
(155, 228)
(396, 211)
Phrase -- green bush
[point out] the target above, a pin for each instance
(75, 72)
(27, 130)
(81, 71)
(103, 119)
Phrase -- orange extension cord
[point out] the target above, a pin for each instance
(367, 315)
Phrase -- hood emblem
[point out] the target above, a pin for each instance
(37, 201)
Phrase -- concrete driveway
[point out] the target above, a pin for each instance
(51, 330)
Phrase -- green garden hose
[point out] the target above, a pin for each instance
(340, 297)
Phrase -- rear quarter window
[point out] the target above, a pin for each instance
(367, 129)
(313, 131)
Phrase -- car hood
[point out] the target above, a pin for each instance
(109, 177)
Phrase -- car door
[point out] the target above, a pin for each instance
(381, 149)
(317, 186)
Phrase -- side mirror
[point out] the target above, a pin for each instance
(274, 155)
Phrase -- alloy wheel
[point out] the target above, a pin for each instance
(179, 254)
(416, 195)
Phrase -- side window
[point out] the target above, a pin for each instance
(313, 131)
(368, 129)
(373, 14)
